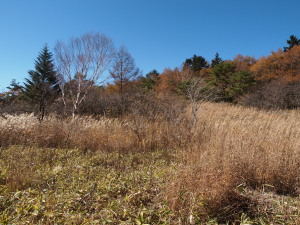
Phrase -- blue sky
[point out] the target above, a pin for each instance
(158, 33)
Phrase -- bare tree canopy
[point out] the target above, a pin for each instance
(124, 69)
(80, 63)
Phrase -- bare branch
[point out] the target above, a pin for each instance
(80, 63)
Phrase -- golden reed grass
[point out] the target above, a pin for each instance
(229, 152)
(133, 133)
(240, 149)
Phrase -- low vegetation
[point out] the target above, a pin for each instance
(234, 165)
(240, 162)
(154, 149)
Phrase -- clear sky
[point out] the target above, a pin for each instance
(158, 33)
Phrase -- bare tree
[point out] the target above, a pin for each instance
(198, 92)
(80, 63)
(124, 69)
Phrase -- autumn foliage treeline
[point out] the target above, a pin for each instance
(269, 82)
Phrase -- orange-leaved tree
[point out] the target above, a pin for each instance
(279, 65)
(243, 63)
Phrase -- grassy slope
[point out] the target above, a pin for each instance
(238, 165)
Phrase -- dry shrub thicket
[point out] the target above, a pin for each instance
(147, 127)
(226, 164)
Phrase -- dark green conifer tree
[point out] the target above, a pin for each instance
(229, 82)
(293, 41)
(216, 61)
(150, 80)
(196, 63)
(41, 88)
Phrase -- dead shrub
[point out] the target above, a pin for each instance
(274, 94)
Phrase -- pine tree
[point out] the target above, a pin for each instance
(41, 88)
(15, 88)
(216, 61)
(293, 41)
(150, 80)
(229, 82)
(196, 63)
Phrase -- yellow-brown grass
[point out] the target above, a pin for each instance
(241, 150)
(231, 158)
(133, 133)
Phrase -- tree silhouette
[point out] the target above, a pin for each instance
(124, 69)
(216, 61)
(196, 63)
(41, 88)
(293, 41)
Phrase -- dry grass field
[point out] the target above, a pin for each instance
(236, 165)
